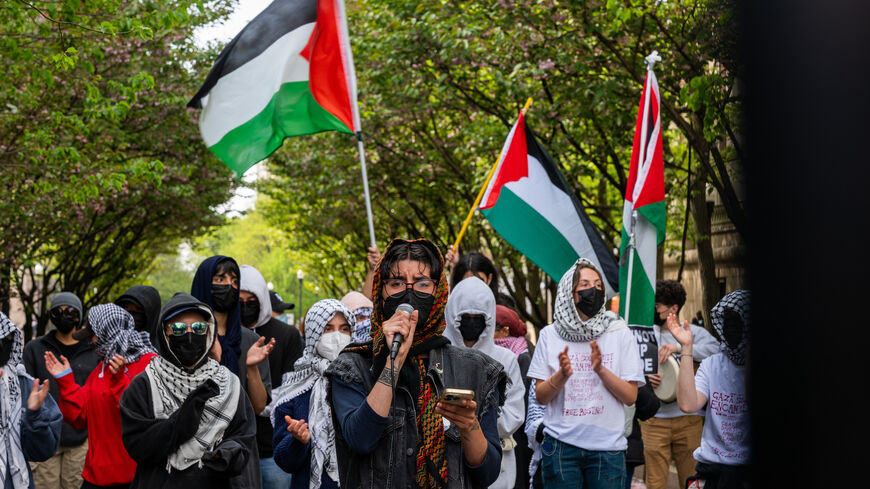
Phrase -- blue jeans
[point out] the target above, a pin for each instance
(273, 476)
(568, 467)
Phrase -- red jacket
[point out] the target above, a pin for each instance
(95, 407)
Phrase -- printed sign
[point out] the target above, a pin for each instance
(648, 348)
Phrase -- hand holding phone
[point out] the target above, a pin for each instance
(456, 396)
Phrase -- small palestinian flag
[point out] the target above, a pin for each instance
(288, 73)
(529, 203)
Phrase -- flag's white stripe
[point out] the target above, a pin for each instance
(347, 61)
(554, 205)
(504, 150)
(237, 97)
(646, 240)
(647, 147)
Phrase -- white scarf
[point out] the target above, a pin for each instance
(11, 454)
(567, 320)
(171, 385)
(308, 374)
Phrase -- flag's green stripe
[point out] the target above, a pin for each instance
(530, 233)
(655, 214)
(292, 111)
(643, 295)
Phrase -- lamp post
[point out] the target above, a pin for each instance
(300, 275)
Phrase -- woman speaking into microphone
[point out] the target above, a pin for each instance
(393, 429)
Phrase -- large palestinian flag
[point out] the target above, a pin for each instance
(643, 214)
(529, 203)
(289, 72)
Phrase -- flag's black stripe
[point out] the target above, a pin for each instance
(279, 18)
(650, 125)
(605, 257)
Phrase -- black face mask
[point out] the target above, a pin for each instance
(250, 313)
(471, 327)
(422, 304)
(6, 349)
(224, 297)
(732, 328)
(141, 322)
(590, 301)
(187, 348)
(64, 321)
(657, 320)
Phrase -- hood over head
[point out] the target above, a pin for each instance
(201, 289)
(737, 301)
(148, 298)
(353, 300)
(470, 296)
(71, 300)
(252, 281)
(178, 303)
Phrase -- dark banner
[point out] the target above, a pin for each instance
(648, 348)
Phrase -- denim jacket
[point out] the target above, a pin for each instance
(391, 463)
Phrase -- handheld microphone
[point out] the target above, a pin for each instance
(397, 338)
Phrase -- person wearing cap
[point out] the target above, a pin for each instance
(279, 306)
(671, 433)
(64, 469)
(29, 418)
(256, 313)
(186, 421)
(361, 308)
(143, 303)
(123, 353)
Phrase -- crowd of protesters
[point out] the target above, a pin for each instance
(214, 388)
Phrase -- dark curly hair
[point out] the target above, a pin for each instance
(474, 262)
(423, 252)
(670, 292)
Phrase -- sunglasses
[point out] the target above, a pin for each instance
(179, 328)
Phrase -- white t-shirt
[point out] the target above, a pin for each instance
(725, 439)
(584, 413)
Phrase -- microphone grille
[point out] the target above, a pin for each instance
(406, 308)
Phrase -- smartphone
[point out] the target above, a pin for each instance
(456, 396)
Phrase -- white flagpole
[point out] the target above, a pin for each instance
(347, 57)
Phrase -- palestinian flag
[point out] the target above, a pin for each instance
(643, 214)
(529, 203)
(288, 73)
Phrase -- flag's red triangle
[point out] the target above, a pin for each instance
(515, 164)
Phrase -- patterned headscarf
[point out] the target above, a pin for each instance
(567, 320)
(116, 334)
(431, 460)
(738, 301)
(308, 375)
(11, 454)
(359, 305)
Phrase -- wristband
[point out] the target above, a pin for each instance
(65, 372)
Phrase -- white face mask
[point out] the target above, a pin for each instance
(331, 344)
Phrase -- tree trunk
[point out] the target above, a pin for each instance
(5, 286)
(703, 243)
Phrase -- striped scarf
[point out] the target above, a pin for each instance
(431, 459)
(116, 334)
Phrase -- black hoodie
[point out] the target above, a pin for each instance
(149, 440)
(148, 299)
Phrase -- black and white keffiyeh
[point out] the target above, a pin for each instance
(116, 334)
(308, 375)
(11, 454)
(170, 386)
(567, 320)
(362, 332)
(738, 301)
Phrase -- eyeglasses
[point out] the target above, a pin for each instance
(179, 328)
(58, 312)
(395, 286)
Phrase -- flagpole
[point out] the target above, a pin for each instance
(483, 189)
(365, 180)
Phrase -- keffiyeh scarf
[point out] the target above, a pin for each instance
(362, 330)
(515, 344)
(116, 334)
(171, 385)
(738, 301)
(567, 320)
(11, 454)
(308, 375)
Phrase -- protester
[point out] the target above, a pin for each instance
(361, 308)
(304, 437)
(586, 367)
(723, 456)
(646, 406)
(30, 425)
(123, 353)
(64, 469)
(534, 431)
(279, 306)
(672, 433)
(256, 314)
(143, 303)
(470, 319)
(423, 442)
(510, 332)
(185, 421)
(216, 283)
